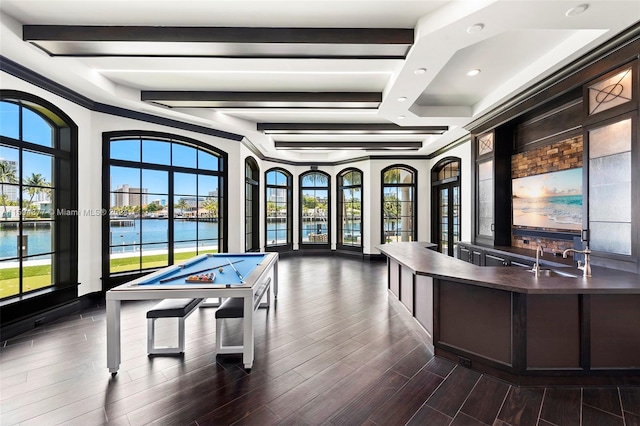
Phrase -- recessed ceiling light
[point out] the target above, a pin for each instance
(577, 10)
(475, 28)
(402, 98)
(473, 72)
(401, 117)
(420, 71)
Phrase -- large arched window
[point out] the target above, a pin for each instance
(350, 209)
(399, 203)
(445, 204)
(279, 219)
(251, 205)
(38, 187)
(315, 208)
(166, 202)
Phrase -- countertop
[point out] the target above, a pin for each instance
(422, 261)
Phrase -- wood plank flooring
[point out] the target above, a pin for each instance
(333, 349)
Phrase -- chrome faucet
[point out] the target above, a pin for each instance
(536, 267)
(586, 268)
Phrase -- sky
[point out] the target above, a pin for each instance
(566, 182)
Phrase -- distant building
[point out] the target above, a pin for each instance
(192, 202)
(127, 196)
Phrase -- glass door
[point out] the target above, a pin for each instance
(448, 218)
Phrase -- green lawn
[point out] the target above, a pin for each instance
(151, 261)
(35, 277)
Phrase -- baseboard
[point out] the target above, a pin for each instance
(29, 323)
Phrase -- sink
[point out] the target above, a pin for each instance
(554, 273)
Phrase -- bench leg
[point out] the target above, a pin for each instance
(268, 301)
(220, 349)
(181, 335)
(151, 330)
(151, 345)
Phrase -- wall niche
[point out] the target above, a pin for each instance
(542, 162)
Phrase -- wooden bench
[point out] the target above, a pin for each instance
(233, 307)
(169, 308)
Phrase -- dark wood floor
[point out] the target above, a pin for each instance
(333, 350)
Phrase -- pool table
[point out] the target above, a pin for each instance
(243, 275)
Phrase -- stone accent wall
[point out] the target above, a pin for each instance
(563, 155)
(548, 245)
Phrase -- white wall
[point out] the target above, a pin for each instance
(91, 126)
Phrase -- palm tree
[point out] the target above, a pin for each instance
(7, 175)
(35, 184)
(182, 205)
(211, 206)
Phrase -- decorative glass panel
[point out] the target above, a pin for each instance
(609, 93)
(610, 188)
(485, 144)
(485, 198)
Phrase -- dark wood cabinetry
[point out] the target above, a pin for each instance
(495, 260)
(491, 153)
(523, 328)
(463, 253)
(485, 257)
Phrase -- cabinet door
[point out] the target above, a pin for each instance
(494, 260)
(476, 258)
(464, 253)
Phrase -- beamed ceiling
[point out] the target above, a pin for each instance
(310, 80)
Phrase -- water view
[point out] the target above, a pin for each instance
(133, 235)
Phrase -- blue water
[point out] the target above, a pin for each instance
(39, 241)
(154, 236)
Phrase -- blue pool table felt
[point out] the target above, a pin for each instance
(245, 263)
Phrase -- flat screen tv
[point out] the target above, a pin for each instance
(550, 200)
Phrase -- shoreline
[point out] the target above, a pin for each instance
(41, 262)
(542, 221)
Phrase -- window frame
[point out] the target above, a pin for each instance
(288, 245)
(316, 245)
(436, 185)
(252, 186)
(414, 206)
(339, 220)
(64, 176)
(113, 279)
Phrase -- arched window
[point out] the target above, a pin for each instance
(279, 219)
(251, 205)
(38, 186)
(350, 209)
(315, 208)
(166, 202)
(445, 204)
(399, 203)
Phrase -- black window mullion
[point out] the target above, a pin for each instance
(20, 201)
(171, 219)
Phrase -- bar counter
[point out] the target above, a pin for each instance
(528, 330)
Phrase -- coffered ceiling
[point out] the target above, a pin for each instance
(309, 80)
